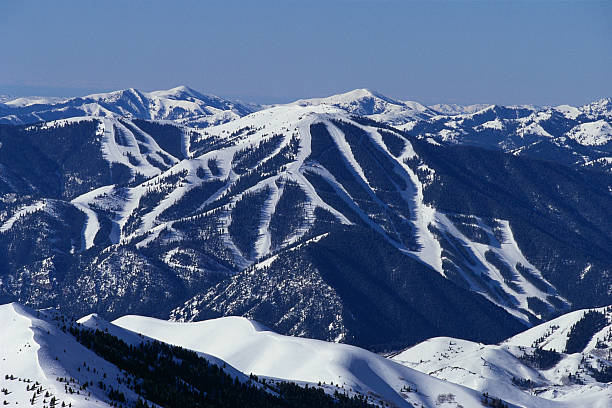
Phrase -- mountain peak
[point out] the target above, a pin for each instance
(362, 93)
(599, 108)
(178, 92)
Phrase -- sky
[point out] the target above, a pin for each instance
(519, 52)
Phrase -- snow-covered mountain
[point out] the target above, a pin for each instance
(48, 356)
(364, 102)
(181, 105)
(41, 363)
(255, 349)
(30, 100)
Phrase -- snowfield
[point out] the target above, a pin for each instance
(252, 348)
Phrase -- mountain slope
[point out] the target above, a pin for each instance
(48, 356)
(36, 354)
(575, 136)
(527, 364)
(364, 102)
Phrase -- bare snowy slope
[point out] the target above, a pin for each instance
(556, 333)
(518, 374)
(41, 359)
(252, 348)
(507, 371)
(48, 360)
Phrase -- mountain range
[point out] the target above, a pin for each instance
(354, 218)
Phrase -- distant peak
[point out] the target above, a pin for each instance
(367, 93)
(182, 89)
(180, 92)
(361, 92)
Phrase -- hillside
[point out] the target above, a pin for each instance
(534, 362)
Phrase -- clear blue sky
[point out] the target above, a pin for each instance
(541, 52)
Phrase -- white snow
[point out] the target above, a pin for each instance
(92, 225)
(252, 348)
(437, 370)
(492, 124)
(568, 111)
(27, 209)
(592, 133)
(35, 351)
(491, 368)
(34, 100)
(373, 105)
(509, 252)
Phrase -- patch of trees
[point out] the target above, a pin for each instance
(602, 374)
(489, 401)
(247, 158)
(541, 359)
(168, 137)
(555, 212)
(532, 278)
(246, 216)
(213, 166)
(289, 212)
(523, 382)
(583, 330)
(395, 143)
(192, 200)
(510, 277)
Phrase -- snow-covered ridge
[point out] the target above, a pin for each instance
(256, 349)
(592, 133)
(455, 109)
(507, 370)
(181, 105)
(32, 100)
(484, 368)
(214, 201)
(286, 128)
(438, 372)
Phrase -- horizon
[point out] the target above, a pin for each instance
(8, 97)
(506, 53)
